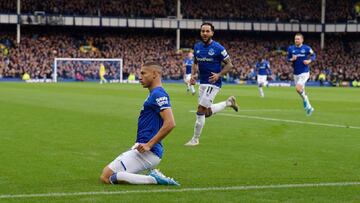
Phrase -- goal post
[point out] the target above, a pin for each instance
(87, 69)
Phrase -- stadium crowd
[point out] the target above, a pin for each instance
(35, 55)
(122, 8)
(263, 10)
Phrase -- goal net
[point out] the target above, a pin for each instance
(87, 69)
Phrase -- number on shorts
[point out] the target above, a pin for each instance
(209, 90)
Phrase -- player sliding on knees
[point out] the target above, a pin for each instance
(209, 56)
(155, 122)
(301, 56)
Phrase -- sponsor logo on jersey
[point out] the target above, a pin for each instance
(204, 59)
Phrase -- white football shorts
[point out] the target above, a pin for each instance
(261, 79)
(301, 78)
(133, 161)
(187, 78)
(207, 94)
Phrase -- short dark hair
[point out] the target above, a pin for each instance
(154, 64)
(209, 24)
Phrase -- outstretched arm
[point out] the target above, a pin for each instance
(168, 125)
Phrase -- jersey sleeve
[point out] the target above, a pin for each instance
(160, 101)
(312, 54)
(268, 68)
(257, 66)
(223, 53)
(195, 50)
(268, 64)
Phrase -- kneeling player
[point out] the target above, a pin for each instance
(155, 122)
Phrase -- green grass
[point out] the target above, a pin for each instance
(56, 138)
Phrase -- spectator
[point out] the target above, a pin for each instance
(35, 55)
(258, 10)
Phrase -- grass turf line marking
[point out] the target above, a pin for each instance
(287, 121)
(266, 110)
(231, 188)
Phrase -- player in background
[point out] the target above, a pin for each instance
(262, 68)
(155, 122)
(188, 61)
(301, 56)
(102, 72)
(209, 56)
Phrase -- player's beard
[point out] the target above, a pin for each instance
(207, 41)
(145, 85)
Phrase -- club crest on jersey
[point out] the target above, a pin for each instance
(302, 51)
(198, 51)
(211, 52)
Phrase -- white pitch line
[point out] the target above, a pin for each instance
(231, 188)
(287, 121)
(265, 110)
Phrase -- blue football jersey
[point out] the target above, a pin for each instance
(188, 64)
(150, 121)
(263, 68)
(303, 52)
(209, 58)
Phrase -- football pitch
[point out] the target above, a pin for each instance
(56, 138)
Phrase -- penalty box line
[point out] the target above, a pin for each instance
(205, 189)
(287, 121)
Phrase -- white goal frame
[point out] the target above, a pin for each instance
(87, 59)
